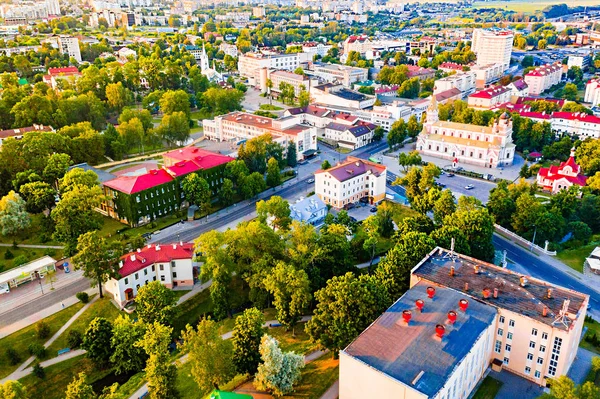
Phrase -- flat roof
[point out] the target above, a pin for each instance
(527, 300)
(404, 351)
(27, 268)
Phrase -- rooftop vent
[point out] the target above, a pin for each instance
(174, 246)
(549, 293)
(139, 250)
(406, 316)
(420, 303)
(430, 292)
(157, 247)
(132, 257)
(452, 317)
(545, 311)
(495, 293)
(440, 330)
(463, 304)
(418, 377)
(476, 269)
(452, 271)
(523, 281)
(486, 293)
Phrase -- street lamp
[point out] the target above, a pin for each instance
(533, 240)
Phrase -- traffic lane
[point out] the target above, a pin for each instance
(544, 271)
(457, 183)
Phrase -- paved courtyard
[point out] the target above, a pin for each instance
(515, 387)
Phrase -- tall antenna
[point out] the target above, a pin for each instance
(563, 315)
(451, 255)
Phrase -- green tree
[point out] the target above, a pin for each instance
(175, 101)
(97, 339)
(226, 192)
(197, 191)
(371, 227)
(291, 291)
(56, 167)
(78, 177)
(117, 96)
(325, 165)
(155, 303)
(273, 173)
(378, 133)
(411, 159)
(542, 44)
(161, 373)
(397, 133)
(247, 334)
(132, 133)
(292, 155)
(385, 222)
(445, 205)
(478, 227)
(413, 126)
(38, 195)
(12, 390)
(345, 307)
(13, 216)
(276, 211)
(126, 357)
(278, 371)
(209, 354)
(588, 156)
(79, 389)
(143, 115)
(174, 128)
(98, 257)
(570, 91)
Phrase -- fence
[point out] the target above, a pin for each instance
(513, 236)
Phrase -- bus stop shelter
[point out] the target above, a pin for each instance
(27, 272)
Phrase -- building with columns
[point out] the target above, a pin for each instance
(486, 146)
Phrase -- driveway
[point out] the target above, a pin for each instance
(515, 387)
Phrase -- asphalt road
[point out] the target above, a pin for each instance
(29, 308)
(457, 183)
(540, 269)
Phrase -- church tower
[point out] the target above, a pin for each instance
(204, 64)
(432, 111)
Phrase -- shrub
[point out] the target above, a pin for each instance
(39, 371)
(83, 297)
(13, 356)
(36, 349)
(8, 255)
(42, 329)
(50, 252)
(20, 260)
(74, 339)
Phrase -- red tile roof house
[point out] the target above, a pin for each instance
(17, 134)
(137, 200)
(171, 264)
(556, 178)
(70, 74)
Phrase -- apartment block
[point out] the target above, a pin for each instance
(490, 97)
(278, 77)
(465, 82)
(250, 64)
(592, 92)
(493, 46)
(343, 74)
(543, 77)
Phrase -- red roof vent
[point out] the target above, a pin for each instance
(452, 271)
(452, 316)
(545, 311)
(420, 304)
(406, 315)
(430, 292)
(440, 330)
(495, 293)
(463, 304)
(153, 172)
(195, 150)
(486, 293)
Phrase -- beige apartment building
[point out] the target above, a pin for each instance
(493, 46)
(343, 74)
(543, 77)
(298, 82)
(250, 64)
(460, 316)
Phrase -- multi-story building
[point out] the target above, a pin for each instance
(330, 94)
(138, 200)
(486, 146)
(69, 45)
(56, 75)
(250, 64)
(350, 181)
(460, 316)
(53, 7)
(239, 17)
(415, 71)
(465, 82)
(367, 47)
(518, 88)
(310, 210)
(592, 92)
(577, 124)
(259, 12)
(556, 178)
(543, 77)
(17, 134)
(490, 97)
(171, 264)
(298, 82)
(9, 51)
(313, 48)
(351, 137)
(487, 74)
(493, 46)
(452, 67)
(343, 74)
(581, 61)
(237, 126)
(229, 49)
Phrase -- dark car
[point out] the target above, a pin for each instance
(364, 200)
(373, 210)
(450, 175)
(440, 185)
(349, 206)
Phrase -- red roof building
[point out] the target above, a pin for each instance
(489, 98)
(556, 178)
(70, 74)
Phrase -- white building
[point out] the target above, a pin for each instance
(581, 61)
(465, 82)
(310, 210)
(171, 264)
(459, 317)
(237, 126)
(543, 77)
(351, 137)
(17, 134)
(229, 49)
(277, 77)
(490, 97)
(53, 7)
(250, 64)
(487, 74)
(343, 74)
(350, 181)
(592, 92)
(330, 94)
(486, 146)
(493, 46)
(518, 88)
(561, 177)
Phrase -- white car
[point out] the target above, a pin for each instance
(309, 181)
(469, 187)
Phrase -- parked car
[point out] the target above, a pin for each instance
(310, 181)
(349, 206)
(373, 210)
(469, 187)
(450, 175)
(440, 185)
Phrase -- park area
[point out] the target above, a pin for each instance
(528, 7)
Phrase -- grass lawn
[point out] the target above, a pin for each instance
(300, 343)
(111, 226)
(199, 115)
(269, 107)
(101, 308)
(33, 235)
(400, 212)
(28, 254)
(59, 375)
(574, 258)
(133, 384)
(317, 377)
(188, 389)
(593, 327)
(21, 339)
(488, 389)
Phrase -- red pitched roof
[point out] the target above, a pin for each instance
(576, 116)
(490, 92)
(536, 115)
(204, 159)
(153, 253)
(135, 184)
(63, 71)
(451, 65)
(182, 168)
(545, 70)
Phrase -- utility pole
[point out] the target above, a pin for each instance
(533, 241)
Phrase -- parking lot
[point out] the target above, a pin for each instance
(360, 212)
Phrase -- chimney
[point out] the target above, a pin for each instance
(120, 264)
(495, 293)
(463, 304)
(174, 246)
(149, 246)
(523, 281)
(466, 286)
(420, 304)
(430, 292)
(452, 316)
(549, 293)
(181, 243)
(545, 311)
(476, 269)
(139, 251)
(452, 271)
(132, 257)
(486, 293)
(406, 316)
(157, 247)
(440, 330)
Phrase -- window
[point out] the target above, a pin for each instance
(501, 319)
(527, 370)
(162, 278)
(534, 332)
(506, 360)
(542, 348)
(152, 267)
(136, 276)
(154, 278)
(174, 274)
(511, 323)
(540, 360)
(537, 374)
(544, 335)
(509, 335)
(530, 356)
(161, 267)
(145, 272)
(532, 344)
(500, 332)
(137, 287)
(126, 281)
(498, 347)
(507, 348)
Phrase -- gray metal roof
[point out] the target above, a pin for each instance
(103, 176)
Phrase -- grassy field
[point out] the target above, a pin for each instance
(401, 212)
(59, 375)
(593, 327)
(33, 235)
(300, 343)
(25, 253)
(488, 389)
(574, 258)
(317, 377)
(101, 308)
(269, 107)
(21, 339)
(527, 6)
